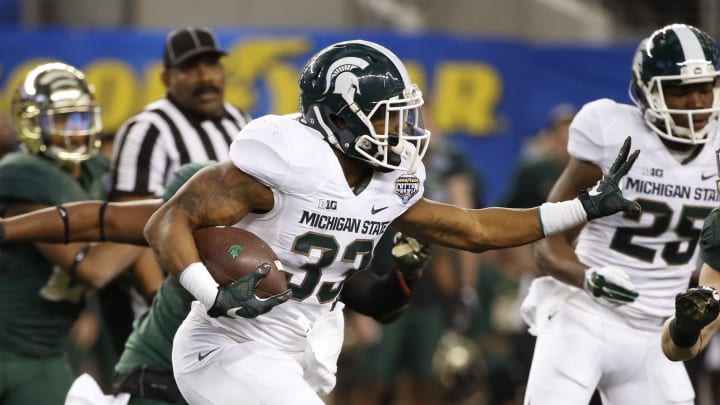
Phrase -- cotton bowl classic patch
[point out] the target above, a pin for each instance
(406, 186)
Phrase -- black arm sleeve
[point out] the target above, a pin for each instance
(379, 296)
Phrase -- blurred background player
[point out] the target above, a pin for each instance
(506, 274)
(542, 161)
(8, 138)
(45, 286)
(599, 317)
(192, 123)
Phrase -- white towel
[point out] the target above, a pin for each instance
(86, 391)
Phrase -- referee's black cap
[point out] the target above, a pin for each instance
(188, 42)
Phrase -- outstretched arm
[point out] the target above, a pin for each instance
(493, 228)
(88, 221)
(94, 264)
(468, 229)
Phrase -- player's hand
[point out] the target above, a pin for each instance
(409, 255)
(609, 284)
(606, 198)
(696, 308)
(238, 299)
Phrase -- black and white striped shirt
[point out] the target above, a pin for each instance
(150, 146)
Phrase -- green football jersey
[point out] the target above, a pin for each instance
(151, 340)
(710, 239)
(39, 302)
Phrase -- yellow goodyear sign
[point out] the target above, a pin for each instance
(261, 77)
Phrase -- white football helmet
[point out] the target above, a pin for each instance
(677, 54)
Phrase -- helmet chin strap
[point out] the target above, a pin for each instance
(326, 130)
(394, 158)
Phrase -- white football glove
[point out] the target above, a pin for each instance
(609, 285)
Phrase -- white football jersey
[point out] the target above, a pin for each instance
(659, 248)
(320, 229)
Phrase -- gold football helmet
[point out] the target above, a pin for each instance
(56, 114)
(459, 367)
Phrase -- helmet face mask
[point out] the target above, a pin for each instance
(358, 95)
(56, 114)
(396, 126)
(677, 56)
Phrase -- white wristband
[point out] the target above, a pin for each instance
(198, 281)
(556, 217)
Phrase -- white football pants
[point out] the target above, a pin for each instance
(585, 345)
(211, 368)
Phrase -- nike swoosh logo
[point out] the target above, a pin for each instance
(374, 211)
(202, 356)
(704, 177)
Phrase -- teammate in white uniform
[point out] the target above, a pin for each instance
(321, 189)
(599, 320)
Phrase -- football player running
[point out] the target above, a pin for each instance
(321, 189)
(599, 317)
(144, 370)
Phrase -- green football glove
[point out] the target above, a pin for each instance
(609, 285)
(606, 198)
(409, 255)
(238, 299)
(694, 309)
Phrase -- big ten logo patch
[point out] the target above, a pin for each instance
(327, 204)
(652, 172)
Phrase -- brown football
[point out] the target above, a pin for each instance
(230, 253)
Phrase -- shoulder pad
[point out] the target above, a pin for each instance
(282, 154)
(25, 177)
(182, 175)
(598, 131)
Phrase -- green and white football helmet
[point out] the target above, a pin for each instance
(56, 114)
(676, 54)
(344, 86)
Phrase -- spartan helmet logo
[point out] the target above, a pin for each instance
(346, 83)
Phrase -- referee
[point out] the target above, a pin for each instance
(192, 123)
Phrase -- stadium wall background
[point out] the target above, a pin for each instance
(489, 94)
